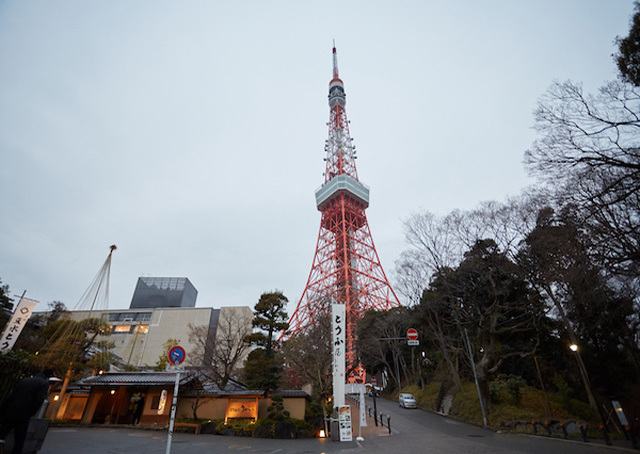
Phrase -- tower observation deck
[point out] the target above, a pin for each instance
(346, 268)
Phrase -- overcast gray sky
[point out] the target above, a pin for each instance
(191, 134)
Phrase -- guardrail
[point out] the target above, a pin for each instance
(548, 429)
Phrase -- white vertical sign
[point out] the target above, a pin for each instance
(14, 327)
(162, 402)
(338, 336)
(363, 414)
(359, 388)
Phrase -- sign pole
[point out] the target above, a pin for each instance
(176, 357)
(363, 414)
(173, 412)
(395, 355)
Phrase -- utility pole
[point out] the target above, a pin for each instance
(475, 376)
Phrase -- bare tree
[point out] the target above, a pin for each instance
(582, 132)
(437, 243)
(434, 244)
(381, 342)
(198, 402)
(308, 358)
(221, 354)
(589, 151)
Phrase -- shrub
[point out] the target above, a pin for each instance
(265, 428)
(303, 428)
(512, 384)
(192, 421)
(241, 427)
(276, 409)
(565, 391)
(426, 397)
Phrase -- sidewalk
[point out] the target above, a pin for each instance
(370, 430)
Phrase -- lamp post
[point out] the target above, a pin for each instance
(585, 376)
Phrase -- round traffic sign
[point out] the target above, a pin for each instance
(412, 334)
(176, 355)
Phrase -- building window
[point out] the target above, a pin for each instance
(155, 402)
(142, 316)
(122, 328)
(129, 316)
(144, 329)
(120, 316)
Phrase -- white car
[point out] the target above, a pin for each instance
(407, 400)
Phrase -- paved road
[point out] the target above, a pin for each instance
(413, 431)
(422, 431)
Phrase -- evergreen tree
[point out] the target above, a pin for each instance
(6, 305)
(263, 366)
(628, 58)
(270, 318)
(487, 297)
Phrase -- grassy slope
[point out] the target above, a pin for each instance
(532, 407)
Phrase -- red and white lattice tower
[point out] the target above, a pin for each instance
(346, 268)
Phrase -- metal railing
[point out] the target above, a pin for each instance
(546, 428)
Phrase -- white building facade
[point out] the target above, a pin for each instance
(139, 334)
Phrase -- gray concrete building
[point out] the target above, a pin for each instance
(139, 334)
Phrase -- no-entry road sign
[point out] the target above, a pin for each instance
(412, 334)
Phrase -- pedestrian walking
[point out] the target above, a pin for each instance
(20, 406)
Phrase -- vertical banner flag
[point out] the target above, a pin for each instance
(359, 388)
(13, 328)
(363, 414)
(162, 402)
(338, 336)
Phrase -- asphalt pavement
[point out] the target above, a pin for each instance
(412, 431)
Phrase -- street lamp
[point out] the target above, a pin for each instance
(585, 376)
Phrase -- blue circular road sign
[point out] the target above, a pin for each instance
(176, 355)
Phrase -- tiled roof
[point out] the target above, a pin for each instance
(77, 391)
(215, 391)
(292, 393)
(136, 379)
(168, 379)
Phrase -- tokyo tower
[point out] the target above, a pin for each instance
(346, 268)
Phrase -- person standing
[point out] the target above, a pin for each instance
(21, 405)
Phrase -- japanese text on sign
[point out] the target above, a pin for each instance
(338, 328)
(14, 327)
